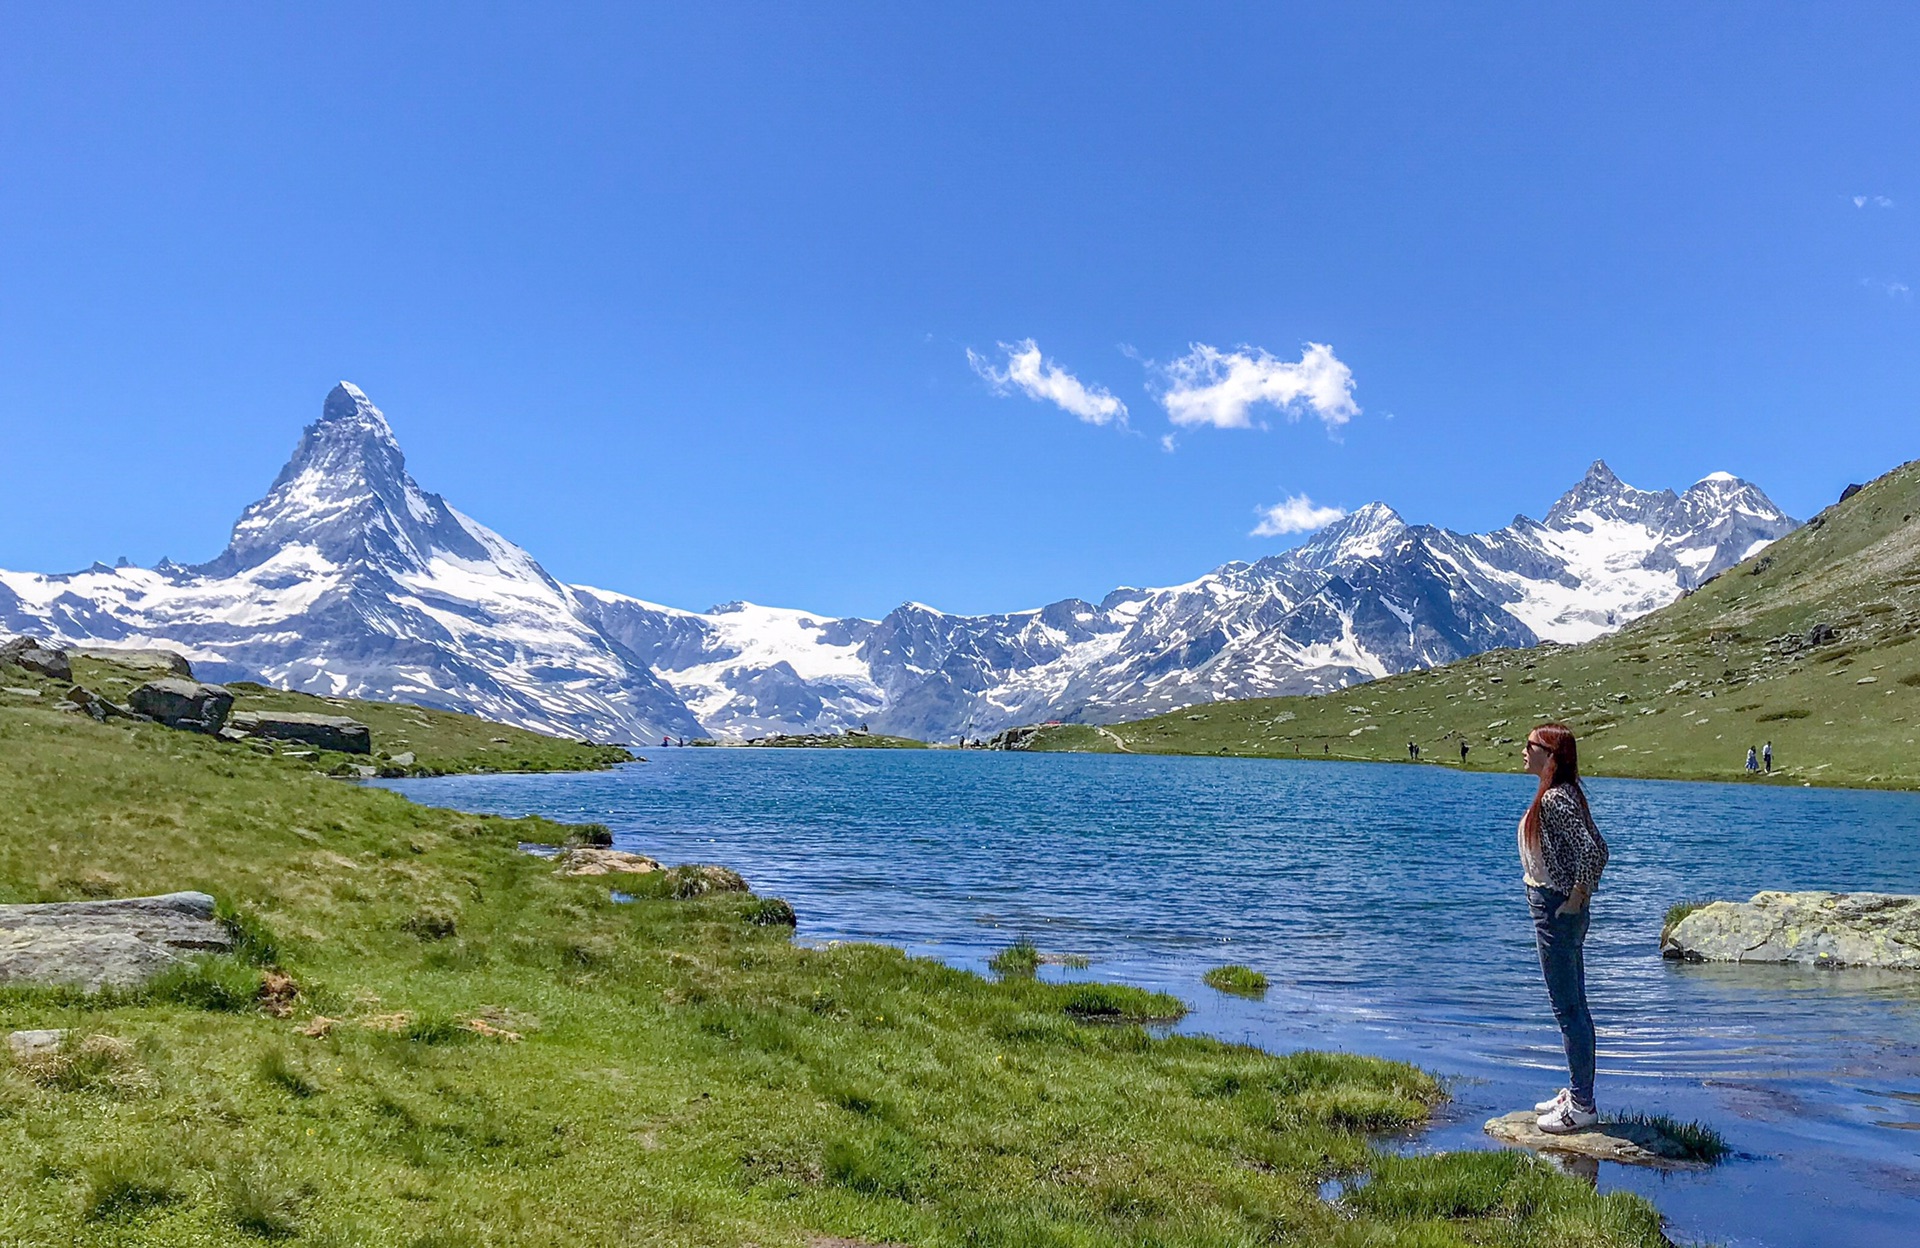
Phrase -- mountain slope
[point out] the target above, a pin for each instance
(1809, 645)
(349, 580)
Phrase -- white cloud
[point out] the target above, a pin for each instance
(1878, 201)
(1208, 386)
(1039, 378)
(1298, 514)
(1894, 289)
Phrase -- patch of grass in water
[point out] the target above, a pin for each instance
(1241, 981)
(1505, 1185)
(1676, 912)
(1696, 1140)
(1120, 1003)
(1019, 960)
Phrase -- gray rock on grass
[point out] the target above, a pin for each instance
(38, 657)
(183, 704)
(86, 702)
(106, 944)
(167, 661)
(35, 1043)
(1808, 929)
(326, 732)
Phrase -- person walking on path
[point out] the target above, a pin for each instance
(1753, 760)
(1561, 856)
(1766, 756)
(1463, 751)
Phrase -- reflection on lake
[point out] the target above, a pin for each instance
(1385, 904)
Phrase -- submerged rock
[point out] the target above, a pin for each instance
(326, 732)
(1809, 929)
(183, 704)
(1629, 1143)
(106, 944)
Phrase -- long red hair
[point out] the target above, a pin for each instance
(1563, 767)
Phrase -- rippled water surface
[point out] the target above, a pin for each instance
(1385, 904)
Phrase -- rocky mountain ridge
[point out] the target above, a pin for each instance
(349, 579)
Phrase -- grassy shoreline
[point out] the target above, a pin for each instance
(476, 1050)
(1807, 644)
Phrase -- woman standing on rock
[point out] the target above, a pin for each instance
(1562, 855)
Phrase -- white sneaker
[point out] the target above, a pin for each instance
(1568, 1117)
(1549, 1106)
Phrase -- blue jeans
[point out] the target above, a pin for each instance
(1561, 941)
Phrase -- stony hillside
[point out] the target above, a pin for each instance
(1808, 645)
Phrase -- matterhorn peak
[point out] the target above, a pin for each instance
(345, 492)
(349, 410)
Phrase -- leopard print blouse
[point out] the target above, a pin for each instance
(1572, 851)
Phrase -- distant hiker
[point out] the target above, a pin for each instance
(1413, 752)
(1766, 756)
(1753, 760)
(665, 742)
(1562, 855)
(1325, 748)
(1463, 751)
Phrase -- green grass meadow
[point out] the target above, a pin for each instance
(433, 1040)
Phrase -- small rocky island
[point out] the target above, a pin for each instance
(1649, 1142)
(1880, 930)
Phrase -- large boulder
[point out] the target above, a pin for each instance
(1809, 929)
(106, 944)
(183, 704)
(325, 732)
(37, 656)
(166, 661)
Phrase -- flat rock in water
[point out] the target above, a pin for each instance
(106, 944)
(587, 861)
(1809, 929)
(1629, 1143)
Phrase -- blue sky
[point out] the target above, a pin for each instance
(683, 301)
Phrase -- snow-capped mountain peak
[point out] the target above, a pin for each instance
(1366, 532)
(346, 493)
(348, 578)
(1600, 497)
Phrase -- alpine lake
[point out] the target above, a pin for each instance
(1384, 904)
